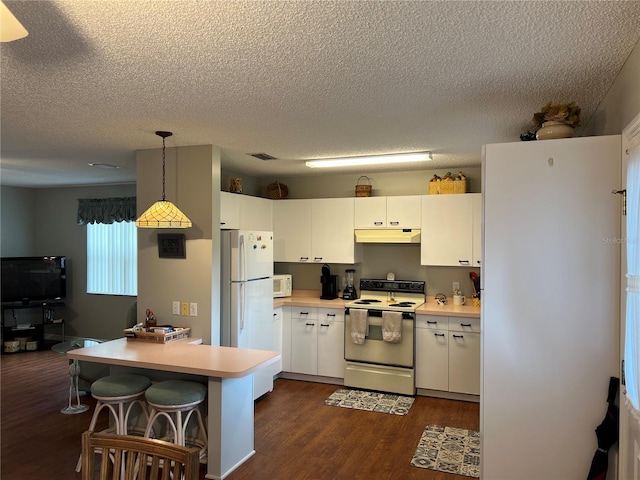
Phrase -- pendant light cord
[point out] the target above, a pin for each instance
(164, 135)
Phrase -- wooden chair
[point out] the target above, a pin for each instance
(128, 457)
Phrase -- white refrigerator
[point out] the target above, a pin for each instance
(247, 297)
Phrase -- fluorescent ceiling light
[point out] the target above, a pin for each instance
(370, 160)
(10, 27)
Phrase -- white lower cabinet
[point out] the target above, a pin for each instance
(448, 354)
(317, 341)
(278, 336)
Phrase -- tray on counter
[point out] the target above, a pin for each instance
(157, 337)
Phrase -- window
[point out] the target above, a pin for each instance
(112, 258)
(632, 323)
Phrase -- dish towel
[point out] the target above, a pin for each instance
(359, 325)
(392, 327)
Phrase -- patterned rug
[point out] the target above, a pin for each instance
(370, 401)
(447, 449)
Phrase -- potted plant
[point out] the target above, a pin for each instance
(556, 120)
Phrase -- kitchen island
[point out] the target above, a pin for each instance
(230, 422)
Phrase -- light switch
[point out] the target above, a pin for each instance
(193, 309)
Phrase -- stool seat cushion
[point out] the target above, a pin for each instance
(120, 385)
(176, 392)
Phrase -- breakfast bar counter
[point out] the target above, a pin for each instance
(230, 387)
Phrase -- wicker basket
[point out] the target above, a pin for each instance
(363, 189)
(447, 187)
(277, 191)
(157, 337)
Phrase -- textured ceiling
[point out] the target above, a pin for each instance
(94, 80)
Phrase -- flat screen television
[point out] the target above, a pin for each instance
(31, 279)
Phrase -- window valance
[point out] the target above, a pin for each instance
(106, 210)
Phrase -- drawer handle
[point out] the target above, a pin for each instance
(431, 322)
(317, 259)
(458, 336)
(331, 314)
(394, 223)
(464, 262)
(377, 223)
(465, 325)
(304, 259)
(439, 334)
(324, 325)
(310, 324)
(304, 313)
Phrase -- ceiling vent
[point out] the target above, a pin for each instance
(263, 156)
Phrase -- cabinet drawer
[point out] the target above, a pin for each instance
(432, 322)
(304, 313)
(330, 315)
(461, 324)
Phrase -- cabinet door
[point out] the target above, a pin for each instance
(370, 212)
(278, 335)
(292, 231)
(256, 213)
(464, 362)
(447, 230)
(404, 211)
(304, 346)
(477, 228)
(432, 359)
(331, 343)
(286, 339)
(229, 210)
(332, 237)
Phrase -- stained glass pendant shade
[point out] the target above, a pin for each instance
(163, 214)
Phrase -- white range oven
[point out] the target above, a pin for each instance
(373, 359)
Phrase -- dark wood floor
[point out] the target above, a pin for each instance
(296, 437)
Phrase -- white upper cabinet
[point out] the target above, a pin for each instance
(332, 238)
(229, 211)
(256, 213)
(388, 212)
(448, 230)
(292, 231)
(245, 212)
(477, 229)
(318, 230)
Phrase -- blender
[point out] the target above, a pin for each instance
(349, 292)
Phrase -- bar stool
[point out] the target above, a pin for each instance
(118, 394)
(172, 398)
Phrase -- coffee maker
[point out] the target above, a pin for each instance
(349, 292)
(329, 284)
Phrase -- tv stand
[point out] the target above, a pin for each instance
(34, 330)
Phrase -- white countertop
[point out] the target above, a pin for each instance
(182, 356)
(311, 298)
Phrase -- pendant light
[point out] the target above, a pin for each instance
(163, 214)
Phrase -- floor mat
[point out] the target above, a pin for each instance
(447, 449)
(370, 401)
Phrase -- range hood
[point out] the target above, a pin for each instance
(388, 235)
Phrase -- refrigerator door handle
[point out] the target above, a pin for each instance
(242, 258)
(241, 299)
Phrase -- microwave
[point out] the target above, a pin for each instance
(282, 285)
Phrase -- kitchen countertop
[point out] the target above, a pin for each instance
(311, 298)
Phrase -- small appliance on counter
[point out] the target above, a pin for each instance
(329, 284)
(282, 285)
(349, 292)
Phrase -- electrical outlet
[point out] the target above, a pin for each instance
(456, 286)
(193, 309)
(184, 309)
(175, 308)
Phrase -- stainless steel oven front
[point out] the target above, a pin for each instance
(379, 365)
